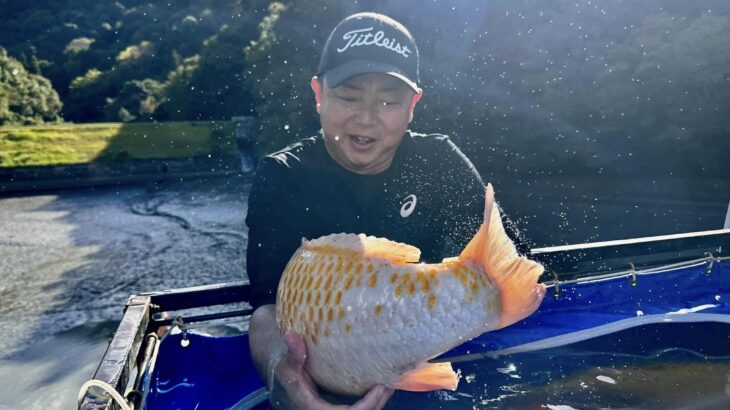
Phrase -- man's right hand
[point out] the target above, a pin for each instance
(293, 388)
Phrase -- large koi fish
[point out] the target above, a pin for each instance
(371, 314)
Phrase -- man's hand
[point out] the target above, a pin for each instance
(280, 363)
(293, 388)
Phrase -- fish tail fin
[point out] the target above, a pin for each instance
(514, 275)
(428, 377)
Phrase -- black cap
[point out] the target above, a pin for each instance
(369, 43)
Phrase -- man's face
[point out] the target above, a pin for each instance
(364, 120)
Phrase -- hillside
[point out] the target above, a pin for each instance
(569, 87)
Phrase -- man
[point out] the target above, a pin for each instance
(365, 173)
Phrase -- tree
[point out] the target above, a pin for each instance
(25, 98)
(281, 63)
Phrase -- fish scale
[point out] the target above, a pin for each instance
(371, 314)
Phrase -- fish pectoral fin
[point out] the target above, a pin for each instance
(427, 377)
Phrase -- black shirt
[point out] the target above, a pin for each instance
(430, 197)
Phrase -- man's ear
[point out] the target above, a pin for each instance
(417, 96)
(317, 88)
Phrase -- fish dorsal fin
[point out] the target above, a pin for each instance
(365, 246)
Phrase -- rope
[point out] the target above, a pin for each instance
(634, 272)
(151, 366)
(107, 388)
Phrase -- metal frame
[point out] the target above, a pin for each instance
(573, 261)
(144, 312)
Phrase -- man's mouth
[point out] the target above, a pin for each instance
(361, 140)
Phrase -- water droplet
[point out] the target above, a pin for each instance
(606, 379)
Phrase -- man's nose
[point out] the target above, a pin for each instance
(367, 114)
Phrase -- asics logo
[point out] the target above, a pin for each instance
(408, 206)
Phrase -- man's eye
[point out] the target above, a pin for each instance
(386, 103)
(346, 98)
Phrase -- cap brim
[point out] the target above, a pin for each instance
(338, 75)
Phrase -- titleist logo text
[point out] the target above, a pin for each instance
(364, 37)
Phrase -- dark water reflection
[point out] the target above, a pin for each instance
(69, 259)
(660, 366)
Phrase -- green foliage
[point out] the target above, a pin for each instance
(73, 144)
(606, 86)
(86, 80)
(78, 45)
(282, 62)
(87, 95)
(124, 41)
(25, 98)
(136, 52)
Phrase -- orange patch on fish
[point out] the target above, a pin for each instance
(378, 309)
(338, 298)
(318, 282)
(348, 282)
(431, 301)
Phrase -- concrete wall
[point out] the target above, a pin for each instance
(124, 172)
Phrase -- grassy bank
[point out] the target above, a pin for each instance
(63, 144)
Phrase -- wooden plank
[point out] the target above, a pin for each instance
(120, 357)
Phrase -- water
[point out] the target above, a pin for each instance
(677, 366)
(658, 366)
(69, 259)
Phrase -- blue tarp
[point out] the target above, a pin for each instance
(209, 373)
(595, 308)
(215, 373)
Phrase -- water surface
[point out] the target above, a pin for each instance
(69, 259)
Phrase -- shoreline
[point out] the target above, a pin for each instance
(94, 174)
